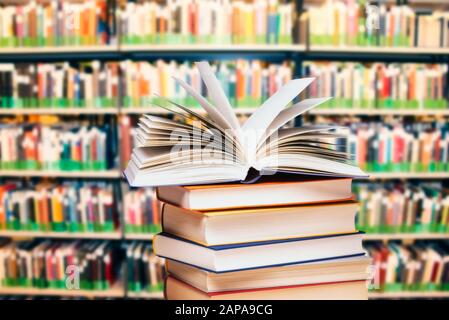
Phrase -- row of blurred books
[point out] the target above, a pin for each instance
(334, 22)
(379, 85)
(247, 83)
(93, 207)
(387, 146)
(80, 265)
(132, 84)
(403, 208)
(76, 207)
(423, 266)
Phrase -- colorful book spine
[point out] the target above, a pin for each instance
(56, 147)
(59, 85)
(206, 22)
(70, 265)
(146, 271)
(379, 85)
(246, 83)
(46, 207)
(141, 212)
(56, 23)
(423, 266)
(352, 23)
(379, 147)
(403, 209)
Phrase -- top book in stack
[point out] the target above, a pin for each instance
(215, 148)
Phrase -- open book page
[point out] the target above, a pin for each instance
(214, 148)
(291, 113)
(257, 124)
(215, 115)
(217, 94)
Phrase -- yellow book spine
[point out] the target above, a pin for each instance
(56, 207)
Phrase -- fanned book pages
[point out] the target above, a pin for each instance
(216, 148)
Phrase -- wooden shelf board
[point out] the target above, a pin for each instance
(380, 112)
(69, 235)
(222, 48)
(375, 49)
(106, 174)
(409, 175)
(58, 111)
(143, 110)
(408, 294)
(213, 47)
(115, 292)
(59, 49)
(146, 295)
(405, 236)
(139, 236)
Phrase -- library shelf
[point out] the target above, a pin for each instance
(408, 294)
(404, 236)
(238, 110)
(378, 50)
(139, 236)
(103, 174)
(214, 48)
(161, 111)
(62, 235)
(58, 49)
(58, 111)
(408, 175)
(380, 112)
(145, 295)
(115, 292)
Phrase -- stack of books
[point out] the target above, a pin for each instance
(286, 236)
(269, 240)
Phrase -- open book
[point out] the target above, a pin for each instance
(215, 148)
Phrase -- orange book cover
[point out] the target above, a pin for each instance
(391, 31)
(426, 149)
(45, 211)
(92, 25)
(155, 208)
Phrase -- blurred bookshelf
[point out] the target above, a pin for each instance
(408, 295)
(115, 292)
(101, 174)
(114, 49)
(59, 111)
(61, 235)
(409, 175)
(405, 236)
